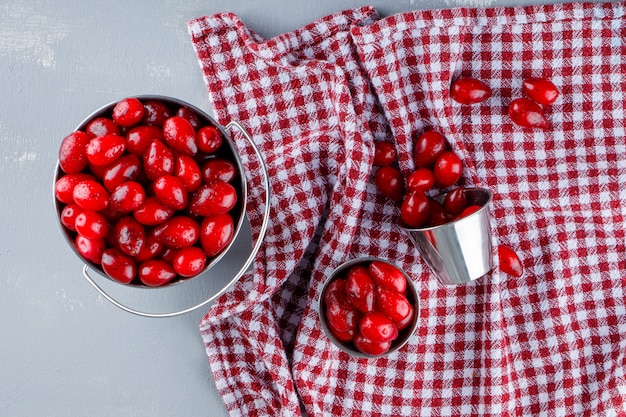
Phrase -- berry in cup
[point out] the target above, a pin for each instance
(368, 306)
(146, 191)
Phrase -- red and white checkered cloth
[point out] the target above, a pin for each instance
(550, 343)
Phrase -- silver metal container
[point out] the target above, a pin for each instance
(459, 251)
(403, 336)
(239, 211)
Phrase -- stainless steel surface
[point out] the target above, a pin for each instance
(460, 251)
(404, 335)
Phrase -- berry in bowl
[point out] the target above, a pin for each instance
(149, 191)
(369, 307)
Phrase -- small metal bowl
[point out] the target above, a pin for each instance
(404, 334)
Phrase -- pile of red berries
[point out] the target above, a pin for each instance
(147, 192)
(437, 168)
(369, 306)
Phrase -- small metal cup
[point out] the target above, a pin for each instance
(404, 335)
(459, 251)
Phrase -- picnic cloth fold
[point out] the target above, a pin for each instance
(316, 99)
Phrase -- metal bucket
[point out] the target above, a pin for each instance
(459, 251)
(239, 212)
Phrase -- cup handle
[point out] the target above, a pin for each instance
(242, 270)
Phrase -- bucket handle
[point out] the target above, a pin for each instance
(244, 268)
